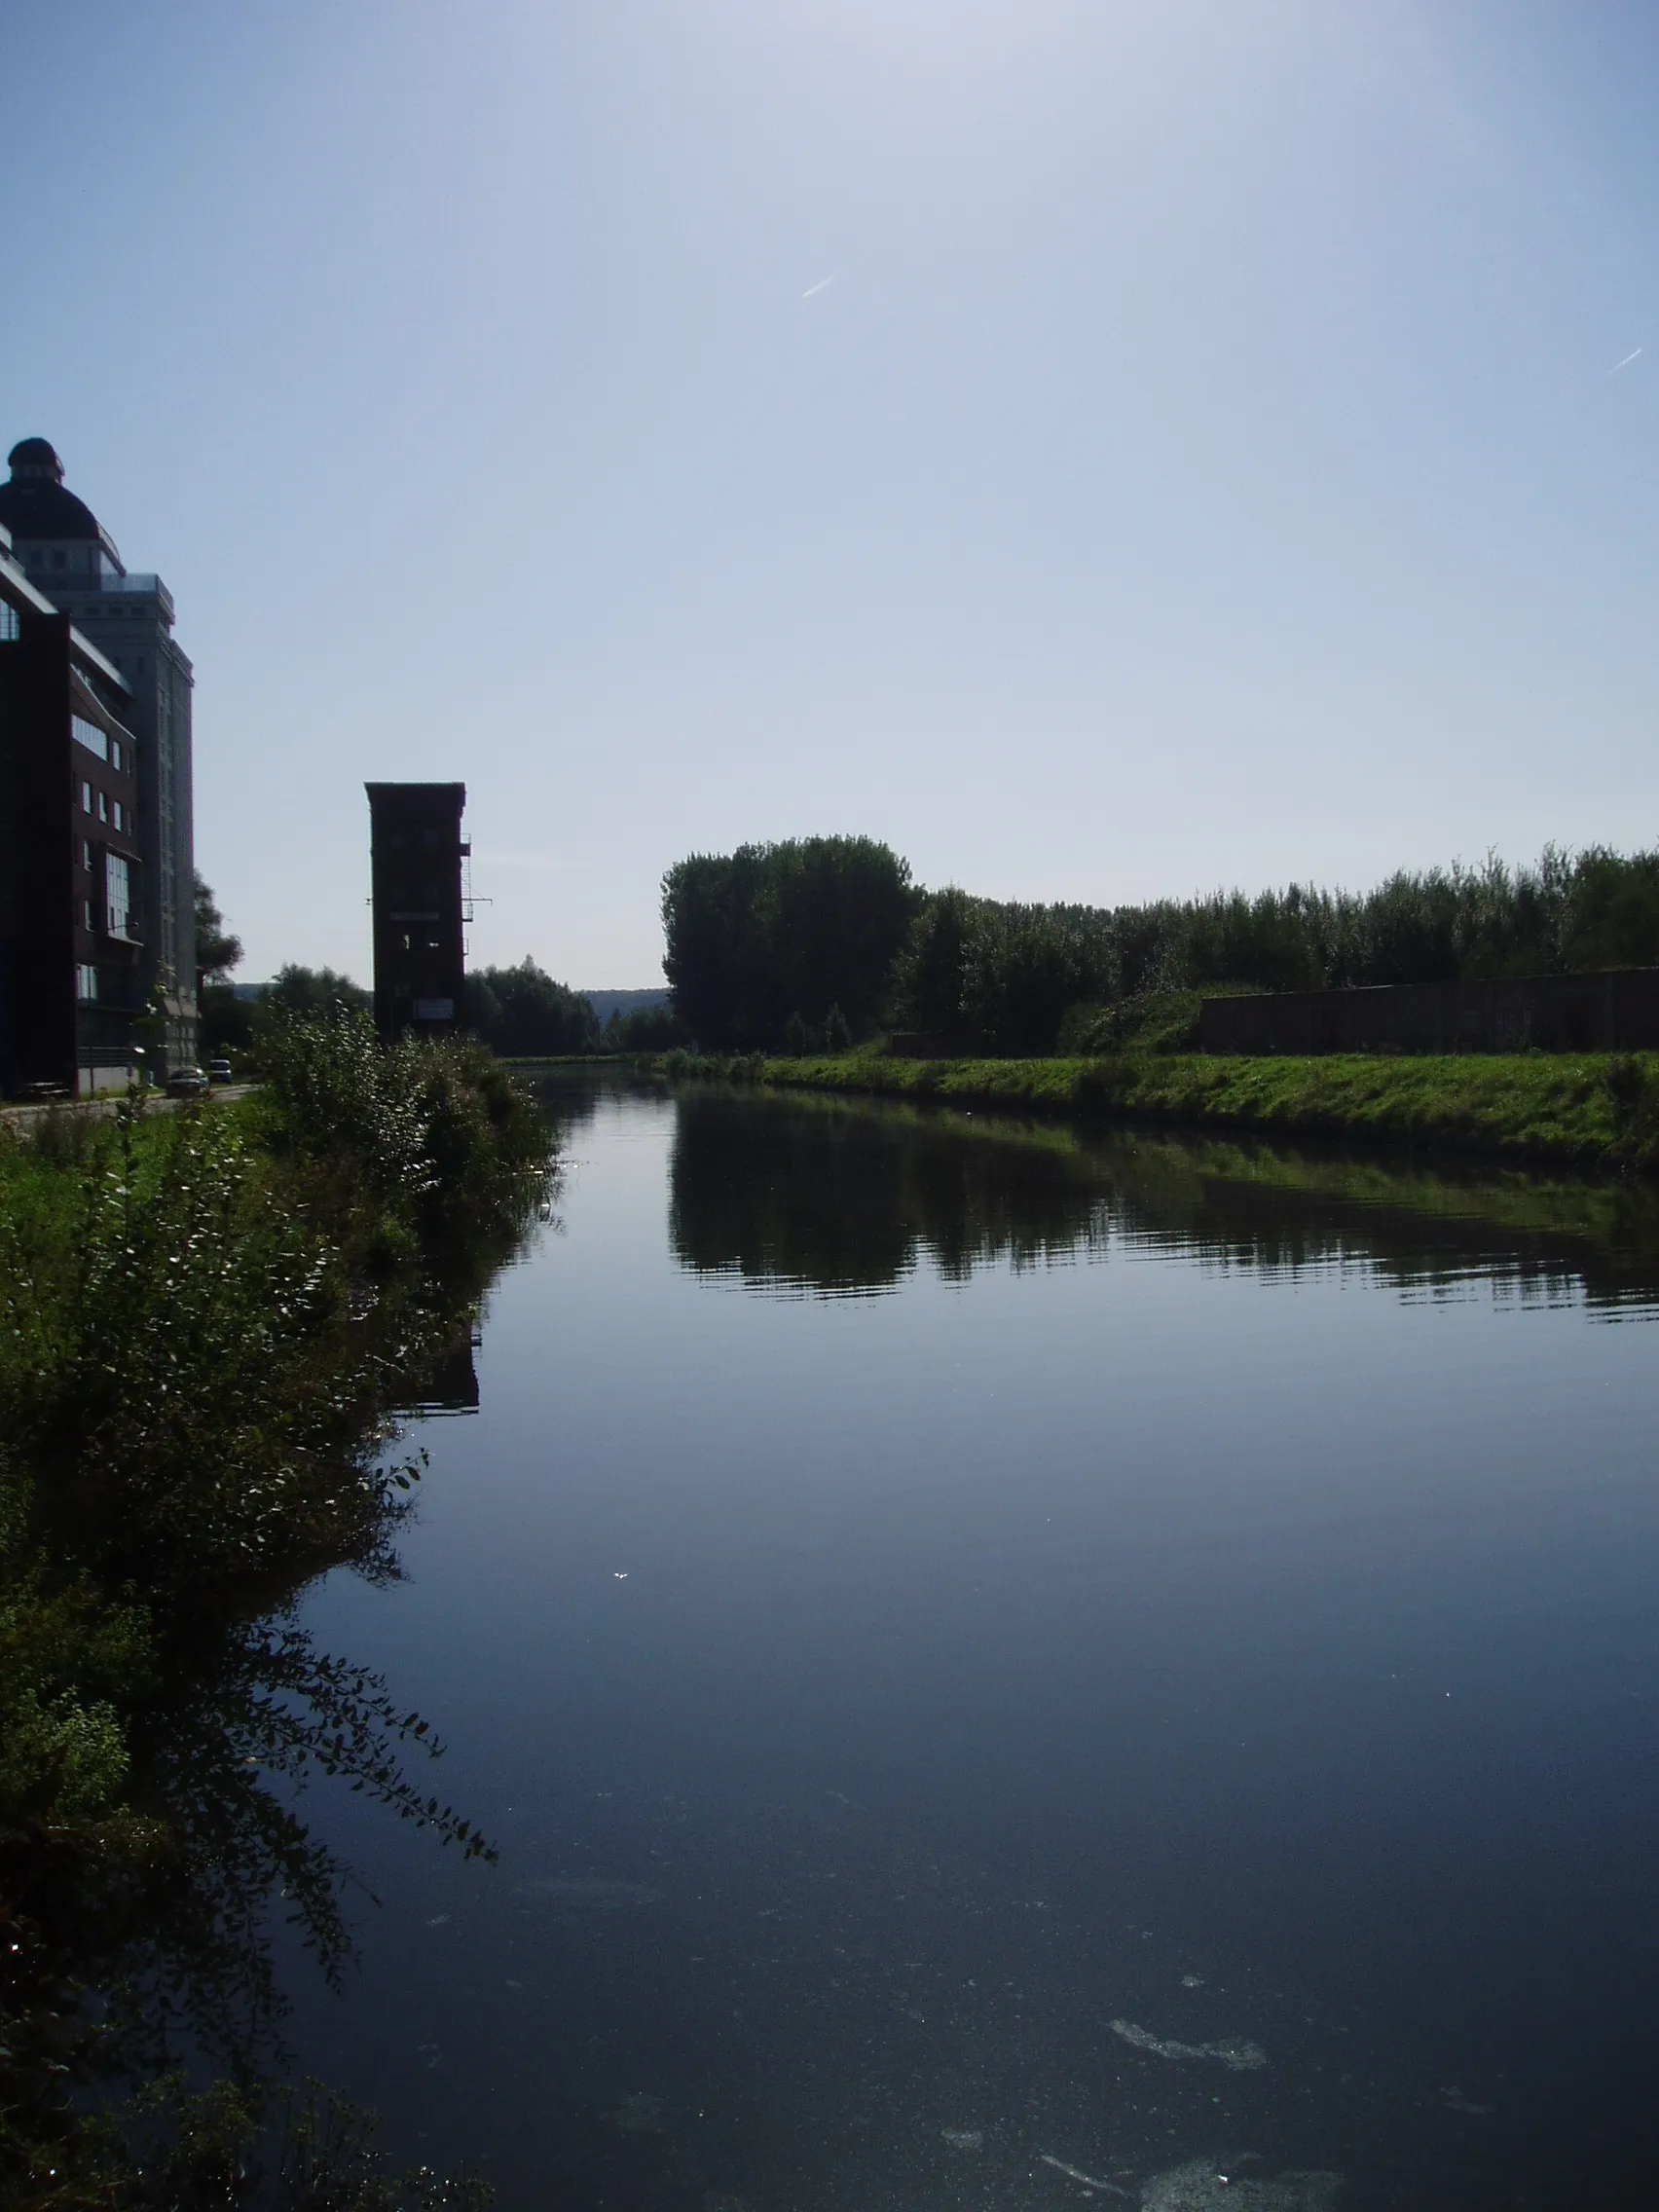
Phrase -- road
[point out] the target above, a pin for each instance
(104, 1109)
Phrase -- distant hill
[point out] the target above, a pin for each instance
(607, 1003)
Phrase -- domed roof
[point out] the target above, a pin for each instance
(34, 503)
(35, 456)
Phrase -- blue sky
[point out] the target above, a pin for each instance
(1104, 447)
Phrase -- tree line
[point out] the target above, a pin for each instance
(818, 943)
(808, 943)
(520, 1012)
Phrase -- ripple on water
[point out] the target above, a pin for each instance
(1215, 2185)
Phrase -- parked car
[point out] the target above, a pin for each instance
(186, 1083)
(219, 1071)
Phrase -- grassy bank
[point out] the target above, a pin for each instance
(203, 1321)
(1587, 1110)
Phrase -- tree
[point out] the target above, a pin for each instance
(928, 973)
(1001, 976)
(715, 959)
(216, 951)
(642, 1029)
(522, 1013)
(773, 931)
(313, 991)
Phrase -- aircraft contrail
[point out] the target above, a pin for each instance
(822, 285)
(1612, 371)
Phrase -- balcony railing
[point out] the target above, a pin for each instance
(145, 584)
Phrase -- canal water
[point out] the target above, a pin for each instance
(1012, 1667)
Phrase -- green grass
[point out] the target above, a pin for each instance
(533, 1060)
(1584, 1109)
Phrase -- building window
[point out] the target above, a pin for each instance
(118, 894)
(86, 982)
(86, 798)
(118, 814)
(103, 806)
(115, 759)
(90, 735)
(10, 625)
(87, 853)
(87, 913)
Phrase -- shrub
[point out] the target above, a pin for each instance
(434, 1129)
(1150, 1021)
(193, 1383)
(344, 1096)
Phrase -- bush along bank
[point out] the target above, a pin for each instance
(1590, 1110)
(203, 1321)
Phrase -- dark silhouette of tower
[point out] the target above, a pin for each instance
(416, 852)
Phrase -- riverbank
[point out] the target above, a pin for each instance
(1586, 1110)
(205, 1318)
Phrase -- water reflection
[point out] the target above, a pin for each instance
(803, 1197)
(1172, 1677)
(154, 1952)
(449, 1381)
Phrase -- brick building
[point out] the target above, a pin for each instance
(71, 862)
(420, 906)
(71, 560)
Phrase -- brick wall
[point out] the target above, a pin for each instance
(1610, 1012)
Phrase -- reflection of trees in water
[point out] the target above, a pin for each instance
(225, 1760)
(845, 1202)
(1430, 1229)
(844, 1196)
(787, 1199)
(123, 1961)
(571, 1098)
